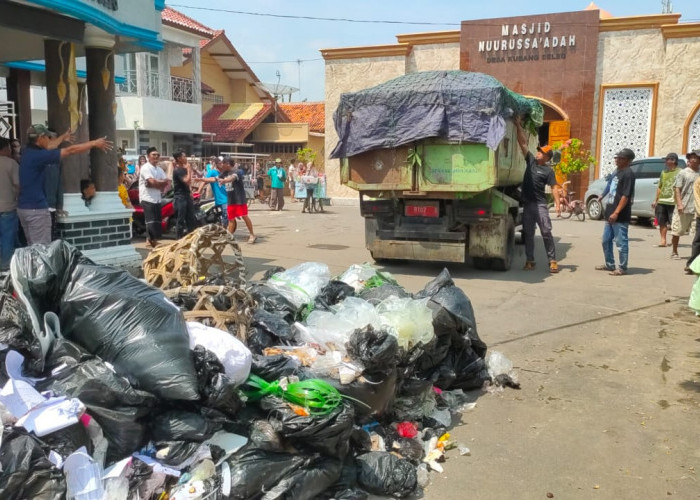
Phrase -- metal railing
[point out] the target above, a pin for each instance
(216, 99)
(173, 88)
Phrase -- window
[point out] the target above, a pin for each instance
(648, 169)
(164, 148)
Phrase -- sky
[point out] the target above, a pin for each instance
(270, 45)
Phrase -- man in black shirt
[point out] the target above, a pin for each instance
(618, 213)
(535, 211)
(182, 196)
(237, 201)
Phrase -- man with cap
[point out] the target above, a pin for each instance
(684, 216)
(538, 174)
(665, 201)
(41, 153)
(9, 187)
(618, 213)
(694, 159)
(277, 178)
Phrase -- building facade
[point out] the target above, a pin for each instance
(612, 82)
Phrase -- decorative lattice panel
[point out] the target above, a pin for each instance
(693, 133)
(627, 115)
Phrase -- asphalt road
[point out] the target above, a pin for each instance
(609, 366)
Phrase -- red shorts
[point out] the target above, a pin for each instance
(234, 211)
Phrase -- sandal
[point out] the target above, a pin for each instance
(604, 268)
(252, 239)
(617, 272)
(675, 256)
(529, 266)
(553, 267)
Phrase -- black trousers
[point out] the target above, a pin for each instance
(154, 219)
(184, 211)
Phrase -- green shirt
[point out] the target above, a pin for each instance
(277, 177)
(668, 177)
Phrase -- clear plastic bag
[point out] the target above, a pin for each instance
(332, 329)
(301, 284)
(409, 319)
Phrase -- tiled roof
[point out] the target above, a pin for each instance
(177, 19)
(313, 113)
(233, 122)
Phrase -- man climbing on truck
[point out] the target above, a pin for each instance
(538, 174)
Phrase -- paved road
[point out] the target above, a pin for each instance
(610, 366)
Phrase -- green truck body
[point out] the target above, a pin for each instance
(439, 201)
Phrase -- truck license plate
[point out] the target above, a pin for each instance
(422, 210)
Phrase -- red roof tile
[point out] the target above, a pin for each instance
(234, 122)
(177, 19)
(313, 113)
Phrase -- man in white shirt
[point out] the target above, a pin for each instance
(291, 175)
(152, 181)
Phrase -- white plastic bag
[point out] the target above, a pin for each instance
(410, 320)
(498, 364)
(301, 284)
(230, 351)
(332, 329)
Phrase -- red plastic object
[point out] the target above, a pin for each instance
(407, 430)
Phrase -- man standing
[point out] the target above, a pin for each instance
(291, 172)
(220, 197)
(665, 201)
(535, 211)
(684, 216)
(152, 180)
(695, 250)
(277, 178)
(40, 153)
(237, 202)
(182, 195)
(618, 213)
(9, 188)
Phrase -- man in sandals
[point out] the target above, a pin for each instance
(535, 211)
(618, 213)
(684, 216)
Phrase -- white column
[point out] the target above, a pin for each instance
(196, 75)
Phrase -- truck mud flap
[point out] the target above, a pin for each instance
(488, 239)
(418, 250)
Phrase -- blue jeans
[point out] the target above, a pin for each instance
(8, 237)
(616, 232)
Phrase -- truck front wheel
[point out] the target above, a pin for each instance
(504, 264)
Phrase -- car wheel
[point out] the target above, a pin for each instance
(595, 209)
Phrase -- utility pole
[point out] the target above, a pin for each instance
(666, 6)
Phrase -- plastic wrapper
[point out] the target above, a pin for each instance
(26, 470)
(235, 357)
(328, 434)
(374, 349)
(301, 284)
(268, 330)
(382, 473)
(332, 329)
(410, 320)
(111, 314)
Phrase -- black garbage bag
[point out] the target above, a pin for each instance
(346, 487)
(328, 434)
(124, 427)
(69, 439)
(178, 425)
(275, 367)
(375, 349)
(27, 472)
(16, 329)
(382, 473)
(271, 272)
(256, 473)
(272, 301)
(217, 390)
(453, 313)
(463, 368)
(410, 449)
(175, 452)
(414, 399)
(333, 293)
(372, 394)
(111, 314)
(268, 329)
(434, 352)
(377, 294)
(264, 436)
(308, 482)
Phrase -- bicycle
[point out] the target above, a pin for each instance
(569, 206)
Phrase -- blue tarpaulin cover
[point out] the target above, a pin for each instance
(452, 105)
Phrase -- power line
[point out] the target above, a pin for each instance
(284, 62)
(312, 18)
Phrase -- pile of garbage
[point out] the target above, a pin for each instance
(340, 389)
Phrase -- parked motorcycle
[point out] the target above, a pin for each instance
(167, 208)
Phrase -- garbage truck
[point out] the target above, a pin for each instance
(435, 159)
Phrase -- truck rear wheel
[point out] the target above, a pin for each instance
(505, 263)
(481, 263)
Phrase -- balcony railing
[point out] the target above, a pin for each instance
(173, 88)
